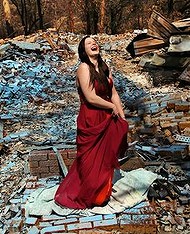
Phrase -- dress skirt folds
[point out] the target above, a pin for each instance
(101, 138)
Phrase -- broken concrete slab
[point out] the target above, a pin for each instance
(4, 47)
(179, 44)
(27, 46)
(161, 59)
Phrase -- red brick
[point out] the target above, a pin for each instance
(183, 125)
(48, 163)
(49, 174)
(70, 164)
(165, 124)
(68, 161)
(34, 171)
(167, 133)
(64, 153)
(43, 169)
(54, 169)
(38, 157)
(72, 153)
(51, 155)
(16, 225)
(34, 163)
(183, 106)
(35, 152)
(37, 174)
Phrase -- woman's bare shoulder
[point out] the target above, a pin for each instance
(82, 69)
(83, 66)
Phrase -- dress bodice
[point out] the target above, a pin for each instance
(101, 90)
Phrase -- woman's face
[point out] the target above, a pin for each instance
(91, 47)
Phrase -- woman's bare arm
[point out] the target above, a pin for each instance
(116, 100)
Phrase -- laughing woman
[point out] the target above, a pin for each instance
(101, 133)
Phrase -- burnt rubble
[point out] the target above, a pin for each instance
(39, 104)
(164, 45)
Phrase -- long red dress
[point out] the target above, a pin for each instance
(100, 140)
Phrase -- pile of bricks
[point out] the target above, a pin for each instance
(44, 163)
(162, 117)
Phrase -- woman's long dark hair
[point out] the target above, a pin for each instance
(102, 66)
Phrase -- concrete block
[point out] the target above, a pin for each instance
(184, 200)
(64, 221)
(109, 216)
(125, 220)
(51, 229)
(51, 217)
(31, 221)
(109, 222)
(90, 218)
(44, 224)
(140, 218)
(77, 226)
(33, 230)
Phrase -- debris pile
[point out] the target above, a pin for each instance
(39, 105)
(164, 45)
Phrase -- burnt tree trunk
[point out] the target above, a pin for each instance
(7, 14)
(40, 14)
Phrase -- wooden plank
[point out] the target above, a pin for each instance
(147, 45)
(183, 24)
(148, 42)
(49, 40)
(160, 27)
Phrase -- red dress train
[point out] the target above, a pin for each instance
(101, 138)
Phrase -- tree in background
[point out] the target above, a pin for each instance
(173, 9)
(30, 13)
(87, 16)
(7, 15)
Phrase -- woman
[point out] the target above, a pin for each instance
(101, 133)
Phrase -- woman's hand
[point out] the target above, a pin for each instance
(115, 111)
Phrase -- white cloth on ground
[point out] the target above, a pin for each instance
(129, 189)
